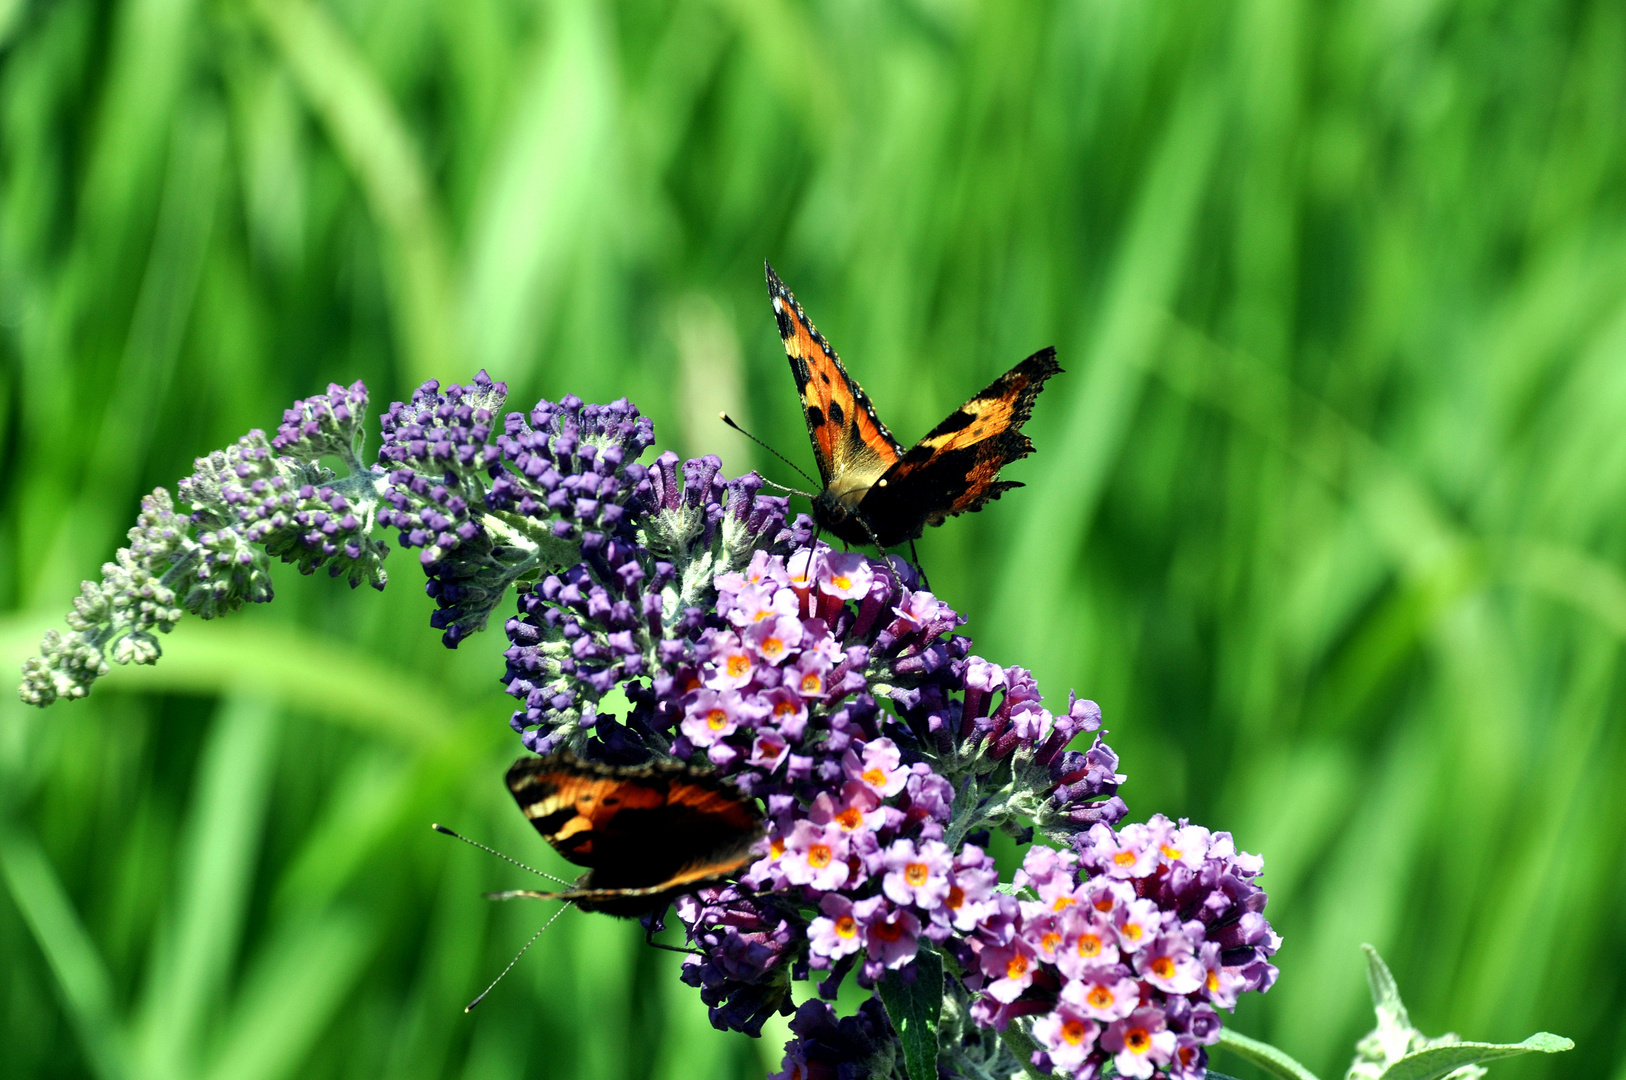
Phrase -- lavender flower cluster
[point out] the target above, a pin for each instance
(1128, 944)
(868, 862)
(253, 500)
(828, 685)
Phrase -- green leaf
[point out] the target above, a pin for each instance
(915, 1008)
(1394, 1030)
(1437, 1061)
(1264, 1055)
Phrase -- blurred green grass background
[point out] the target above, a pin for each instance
(1327, 510)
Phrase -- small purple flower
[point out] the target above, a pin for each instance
(787, 712)
(1068, 1037)
(1137, 923)
(807, 675)
(891, 935)
(969, 898)
(917, 875)
(774, 639)
(815, 855)
(1131, 853)
(1169, 964)
(1010, 967)
(1105, 992)
(756, 602)
(732, 663)
(847, 575)
(1089, 941)
(1140, 1042)
(1190, 1061)
(879, 767)
(1186, 845)
(858, 808)
(712, 716)
(1222, 983)
(836, 932)
(768, 751)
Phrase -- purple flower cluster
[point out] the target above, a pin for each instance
(247, 502)
(624, 610)
(1124, 947)
(828, 685)
(247, 496)
(555, 483)
(329, 423)
(439, 455)
(777, 683)
(827, 1046)
(573, 465)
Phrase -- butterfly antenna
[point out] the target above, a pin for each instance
(729, 420)
(494, 851)
(552, 919)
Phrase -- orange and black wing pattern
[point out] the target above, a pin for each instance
(852, 446)
(955, 468)
(646, 833)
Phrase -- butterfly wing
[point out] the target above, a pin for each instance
(639, 830)
(632, 902)
(955, 468)
(853, 448)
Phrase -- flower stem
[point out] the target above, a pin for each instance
(1021, 1046)
(1264, 1055)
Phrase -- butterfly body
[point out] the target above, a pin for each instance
(874, 490)
(646, 833)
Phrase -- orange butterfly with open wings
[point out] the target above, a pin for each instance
(874, 490)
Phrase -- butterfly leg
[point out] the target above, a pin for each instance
(649, 939)
(897, 582)
(914, 557)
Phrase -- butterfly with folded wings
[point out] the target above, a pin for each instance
(875, 491)
(646, 833)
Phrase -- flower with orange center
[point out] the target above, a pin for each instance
(917, 874)
(1010, 969)
(815, 855)
(1103, 992)
(711, 716)
(847, 575)
(881, 766)
(776, 638)
(1067, 1037)
(1140, 1043)
(891, 935)
(835, 933)
(1090, 943)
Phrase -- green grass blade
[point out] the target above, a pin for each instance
(366, 128)
(192, 967)
(291, 996)
(81, 976)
